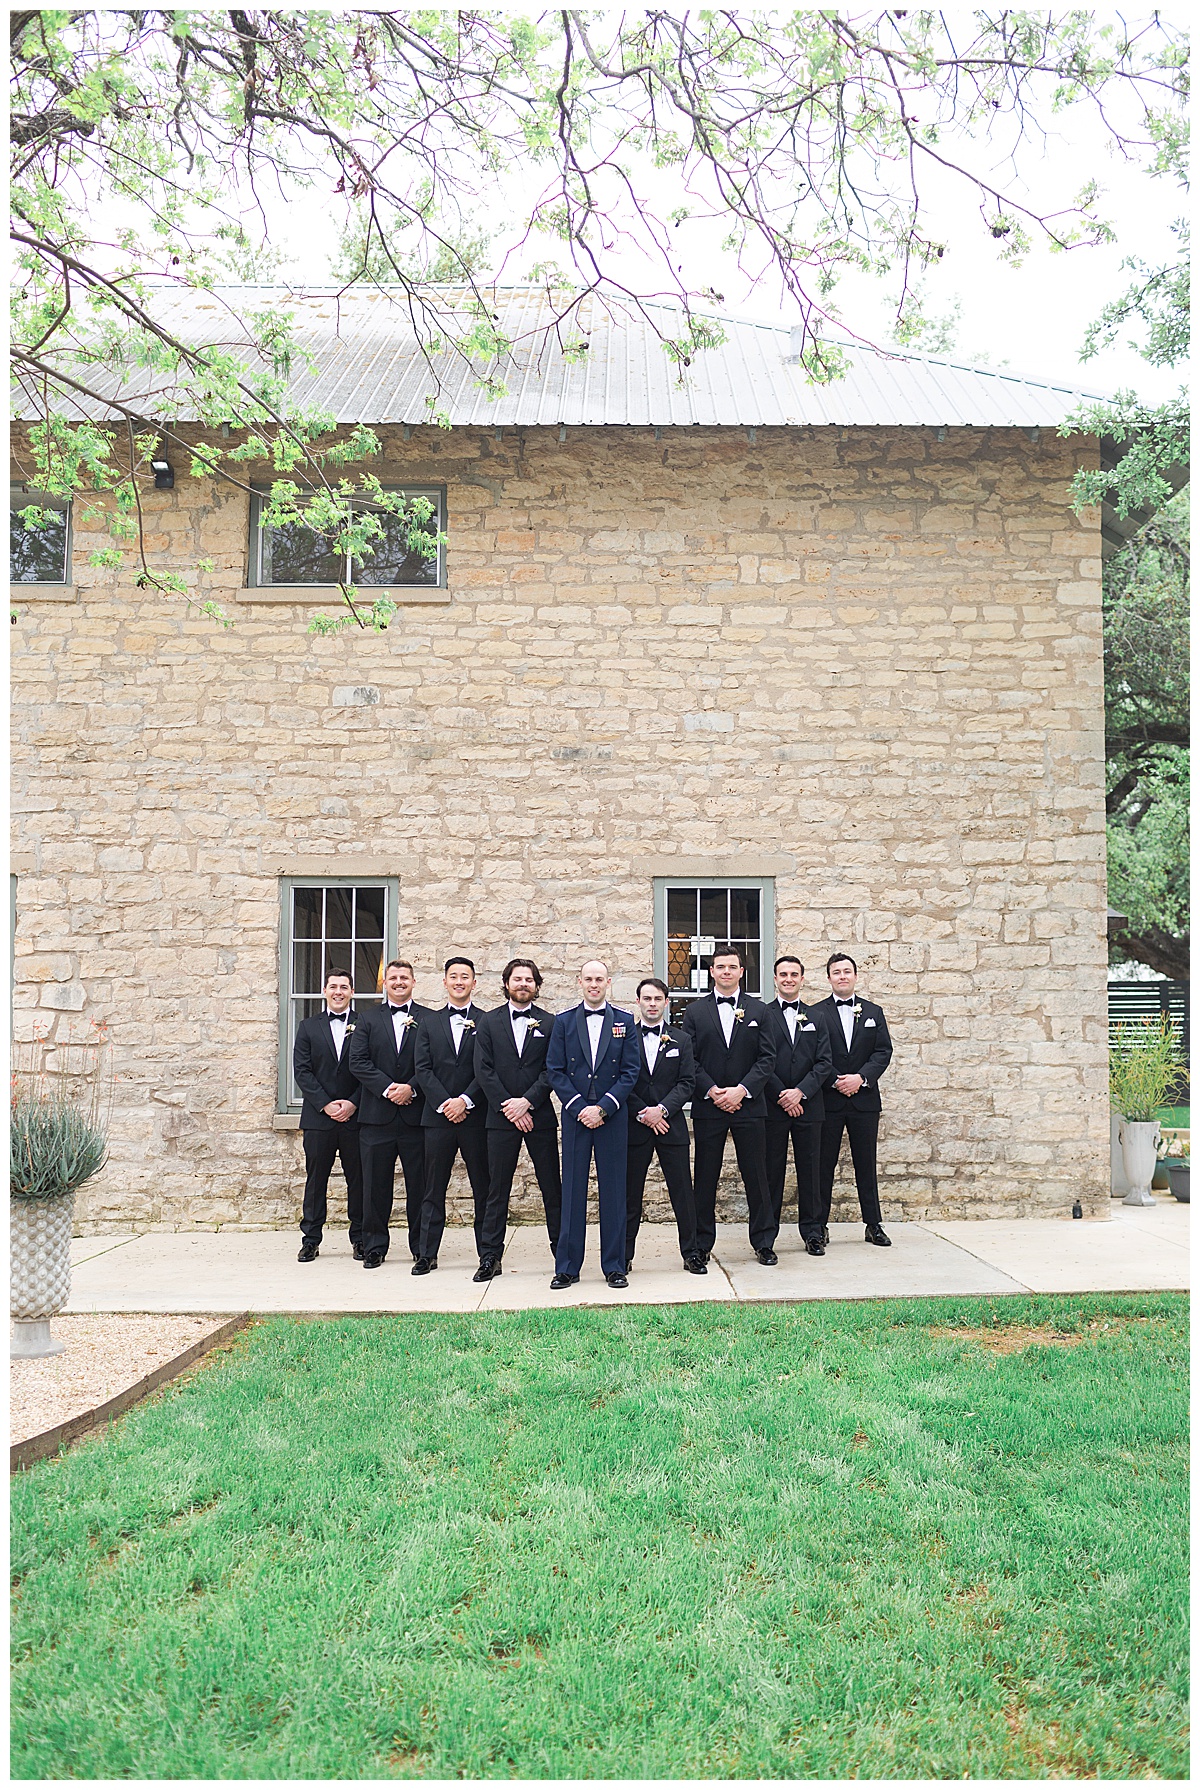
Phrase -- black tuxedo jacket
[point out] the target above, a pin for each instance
(503, 1075)
(377, 1063)
(320, 1076)
(748, 1058)
(443, 1072)
(671, 1084)
(869, 1054)
(805, 1064)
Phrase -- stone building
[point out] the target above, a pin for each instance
(820, 667)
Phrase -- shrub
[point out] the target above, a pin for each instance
(1144, 1063)
(54, 1147)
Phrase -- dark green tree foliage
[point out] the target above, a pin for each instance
(1146, 695)
(147, 144)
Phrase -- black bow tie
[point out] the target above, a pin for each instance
(790, 1006)
(838, 1003)
(334, 1015)
(726, 1000)
(392, 1009)
(652, 1031)
(520, 1012)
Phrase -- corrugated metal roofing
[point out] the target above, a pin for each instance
(370, 368)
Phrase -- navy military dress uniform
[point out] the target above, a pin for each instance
(803, 1060)
(606, 1081)
(321, 1064)
(868, 1054)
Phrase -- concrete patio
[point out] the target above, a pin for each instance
(1139, 1250)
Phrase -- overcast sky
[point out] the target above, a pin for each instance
(1031, 319)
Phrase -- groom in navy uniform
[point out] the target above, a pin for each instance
(862, 1050)
(329, 1116)
(593, 1064)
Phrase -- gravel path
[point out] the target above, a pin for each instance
(104, 1353)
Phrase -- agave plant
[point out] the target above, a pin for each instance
(1145, 1060)
(54, 1147)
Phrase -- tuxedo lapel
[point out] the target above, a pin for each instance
(582, 1028)
(605, 1036)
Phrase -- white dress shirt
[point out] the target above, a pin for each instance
(337, 1030)
(725, 1014)
(399, 1023)
(520, 1018)
(458, 1030)
(595, 1025)
(651, 1044)
(846, 1015)
(791, 1018)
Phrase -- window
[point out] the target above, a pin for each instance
(39, 553)
(296, 554)
(691, 918)
(329, 925)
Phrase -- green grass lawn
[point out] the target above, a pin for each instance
(705, 1541)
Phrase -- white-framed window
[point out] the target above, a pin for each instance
(695, 914)
(329, 923)
(39, 546)
(297, 554)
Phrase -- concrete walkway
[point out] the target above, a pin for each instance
(1140, 1250)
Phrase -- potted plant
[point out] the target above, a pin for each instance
(1180, 1170)
(1144, 1063)
(57, 1141)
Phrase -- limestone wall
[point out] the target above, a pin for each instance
(867, 662)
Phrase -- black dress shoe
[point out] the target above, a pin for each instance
(424, 1264)
(767, 1257)
(562, 1280)
(488, 1269)
(358, 1253)
(825, 1235)
(308, 1252)
(617, 1280)
(629, 1266)
(877, 1234)
(814, 1246)
(694, 1264)
(373, 1258)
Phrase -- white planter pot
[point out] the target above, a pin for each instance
(1139, 1147)
(1120, 1182)
(40, 1260)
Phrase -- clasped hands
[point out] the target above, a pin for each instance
(728, 1100)
(592, 1117)
(518, 1112)
(655, 1117)
(848, 1084)
(400, 1093)
(341, 1110)
(792, 1102)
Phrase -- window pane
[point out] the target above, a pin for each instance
(394, 559)
(304, 1010)
(679, 964)
(306, 968)
(368, 913)
(339, 908)
(306, 913)
(368, 970)
(752, 980)
(295, 554)
(681, 913)
(714, 913)
(743, 914)
(38, 555)
(337, 957)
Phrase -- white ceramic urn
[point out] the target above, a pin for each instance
(1139, 1153)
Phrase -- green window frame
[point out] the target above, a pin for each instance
(679, 954)
(343, 936)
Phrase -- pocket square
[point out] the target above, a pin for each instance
(751, 1022)
(808, 1028)
(672, 1053)
(868, 1022)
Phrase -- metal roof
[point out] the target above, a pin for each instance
(369, 367)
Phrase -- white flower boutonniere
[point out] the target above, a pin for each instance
(409, 1021)
(739, 1013)
(532, 1030)
(468, 1025)
(858, 1009)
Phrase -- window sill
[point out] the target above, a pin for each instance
(326, 595)
(42, 593)
(285, 1121)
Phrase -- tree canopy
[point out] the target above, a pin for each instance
(149, 147)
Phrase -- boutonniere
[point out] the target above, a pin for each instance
(618, 1031)
(532, 1030)
(857, 1009)
(468, 1025)
(350, 1025)
(409, 1021)
(739, 1013)
(801, 1017)
(667, 1038)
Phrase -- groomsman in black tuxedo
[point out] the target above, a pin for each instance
(657, 1125)
(329, 1116)
(862, 1050)
(795, 1109)
(735, 1053)
(510, 1065)
(455, 1109)
(383, 1059)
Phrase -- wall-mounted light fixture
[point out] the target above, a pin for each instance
(164, 475)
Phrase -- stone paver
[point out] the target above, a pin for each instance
(1140, 1250)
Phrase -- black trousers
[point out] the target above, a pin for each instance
(675, 1161)
(321, 1151)
(379, 1146)
(804, 1135)
(750, 1143)
(441, 1148)
(864, 1136)
(504, 1152)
